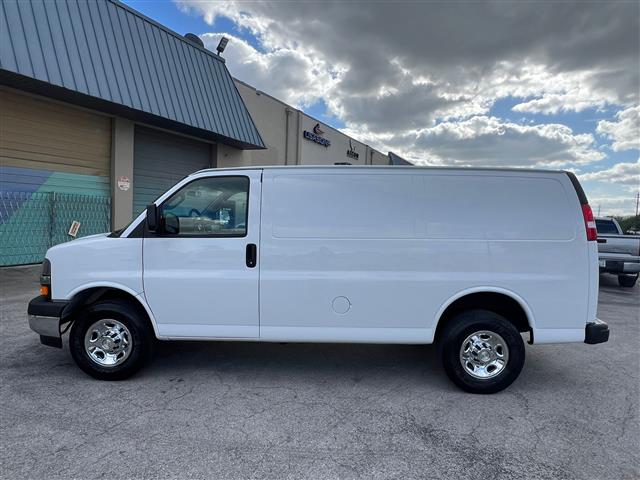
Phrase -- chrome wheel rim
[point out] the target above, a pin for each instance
(108, 342)
(484, 354)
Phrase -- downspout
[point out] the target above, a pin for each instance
(287, 112)
(298, 138)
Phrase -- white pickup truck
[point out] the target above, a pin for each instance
(465, 258)
(618, 254)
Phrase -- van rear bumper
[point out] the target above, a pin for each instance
(44, 319)
(596, 332)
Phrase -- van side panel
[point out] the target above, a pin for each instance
(340, 259)
(374, 256)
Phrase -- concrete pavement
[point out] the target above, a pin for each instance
(250, 410)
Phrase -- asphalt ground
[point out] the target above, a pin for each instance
(251, 410)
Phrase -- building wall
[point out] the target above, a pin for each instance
(282, 129)
(38, 134)
(313, 153)
(378, 158)
(60, 163)
(54, 169)
(160, 160)
(270, 116)
(229, 157)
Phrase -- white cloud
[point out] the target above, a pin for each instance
(625, 132)
(570, 101)
(561, 56)
(284, 73)
(609, 206)
(488, 141)
(483, 140)
(623, 173)
(613, 190)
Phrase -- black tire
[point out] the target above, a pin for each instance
(141, 339)
(462, 326)
(627, 281)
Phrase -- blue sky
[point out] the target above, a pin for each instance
(480, 84)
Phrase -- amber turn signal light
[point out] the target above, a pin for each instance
(44, 290)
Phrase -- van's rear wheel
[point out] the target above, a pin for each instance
(627, 280)
(110, 340)
(481, 351)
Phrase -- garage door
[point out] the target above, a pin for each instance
(55, 170)
(161, 160)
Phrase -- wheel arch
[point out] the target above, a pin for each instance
(92, 293)
(498, 300)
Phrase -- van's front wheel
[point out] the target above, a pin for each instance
(481, 351)
(110, 340)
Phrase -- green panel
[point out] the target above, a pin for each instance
(34, 222)
(37, 208)
(25, 233)
(77, 184)
(92, 212)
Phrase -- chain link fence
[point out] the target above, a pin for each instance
(30, 223)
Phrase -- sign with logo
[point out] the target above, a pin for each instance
(316, 136)
(124, 183)
(351, 153)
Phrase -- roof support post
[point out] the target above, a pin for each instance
(122, 141)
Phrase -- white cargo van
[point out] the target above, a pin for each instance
(471, 259)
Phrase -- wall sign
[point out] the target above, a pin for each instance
(351, 153)
(124, 183)
(316, 136)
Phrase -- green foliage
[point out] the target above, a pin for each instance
(630, 223)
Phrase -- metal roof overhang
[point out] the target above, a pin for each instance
(27, 84)
(103, 55)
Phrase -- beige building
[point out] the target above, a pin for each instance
(283, 128)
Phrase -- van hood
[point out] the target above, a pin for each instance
(98, 237)
(89, 238)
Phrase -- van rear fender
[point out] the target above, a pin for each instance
(498, 300)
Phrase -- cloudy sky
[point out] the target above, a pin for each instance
(514, 83)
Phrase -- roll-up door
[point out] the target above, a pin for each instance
(54, 170)
(160, 160)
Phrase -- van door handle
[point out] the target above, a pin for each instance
(251, 255)
(602, 240)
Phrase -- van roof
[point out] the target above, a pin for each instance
(379, 167)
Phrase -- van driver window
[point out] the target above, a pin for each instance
(208, 206)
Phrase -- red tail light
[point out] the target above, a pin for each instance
(589, 223)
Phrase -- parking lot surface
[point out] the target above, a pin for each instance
(250, 410)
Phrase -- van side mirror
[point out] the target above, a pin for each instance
(153, 217)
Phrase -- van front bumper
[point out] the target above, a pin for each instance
(596, 332)
(44, 319)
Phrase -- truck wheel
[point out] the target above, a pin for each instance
(481, 351)
(111, 340)
(627, 280)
